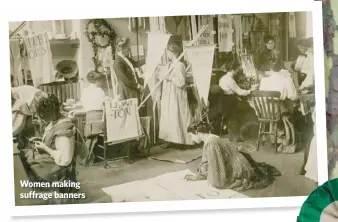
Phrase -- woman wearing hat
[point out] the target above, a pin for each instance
(175, 113)
(129, 83)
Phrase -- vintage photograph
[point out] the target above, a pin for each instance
(163, 108)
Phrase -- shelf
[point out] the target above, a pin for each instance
(64, 41)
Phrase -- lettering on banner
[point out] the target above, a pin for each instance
(36, 46)
(121, 109)
(207, 37)
(225, 40)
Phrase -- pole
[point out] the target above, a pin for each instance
(171, 68)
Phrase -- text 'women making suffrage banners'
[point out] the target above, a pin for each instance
(122, 120)
(39, 58)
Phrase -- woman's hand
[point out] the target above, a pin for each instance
(190, 177)
(34, 139)
(40, 145)
(254, 87)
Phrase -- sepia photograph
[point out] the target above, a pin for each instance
(167, 108)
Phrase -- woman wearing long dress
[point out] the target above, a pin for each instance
(224, 166)
(175, 113)
(311, 164)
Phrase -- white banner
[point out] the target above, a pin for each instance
(225, 32)
(207, 36)
(201, 60)
(157, 43)
(39, 59)
(122, 120)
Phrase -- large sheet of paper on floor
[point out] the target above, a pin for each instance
(170, 186)
(176, 156)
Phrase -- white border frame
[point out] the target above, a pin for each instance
(232, 7)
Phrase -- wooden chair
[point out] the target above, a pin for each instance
(267, 107)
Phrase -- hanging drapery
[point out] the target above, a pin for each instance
(292, 25)
(15, 61)
(207, 36)
(238, 32)
(225, 33)
(143, 22)
(39, 59)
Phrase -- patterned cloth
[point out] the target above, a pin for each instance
(329, 26)
(226, 167)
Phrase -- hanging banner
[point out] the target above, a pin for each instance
(207, 37)
(39, 59)
(201, 60)
(157, 43)
(122, 120)
(225, 32)
(16, 62)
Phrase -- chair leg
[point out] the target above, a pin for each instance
(259, 135)
(105, 155)
(276, 137)
(130, 146)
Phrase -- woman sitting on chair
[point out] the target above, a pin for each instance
(48, 157)
(224, 166)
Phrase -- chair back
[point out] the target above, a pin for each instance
(267, 105)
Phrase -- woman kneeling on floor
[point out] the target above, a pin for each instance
(224, 166)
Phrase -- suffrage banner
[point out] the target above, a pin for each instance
(39, 58)
(201, 60)
(207, 37)
(225, 32)
(122, 120)
(157, 43)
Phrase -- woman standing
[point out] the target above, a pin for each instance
(267, 54)
(230, 101)
(175, 113)
(129, 83)
(223, 166)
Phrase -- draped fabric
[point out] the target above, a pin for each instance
(226, 167)
(16, 66)
(40, 59)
